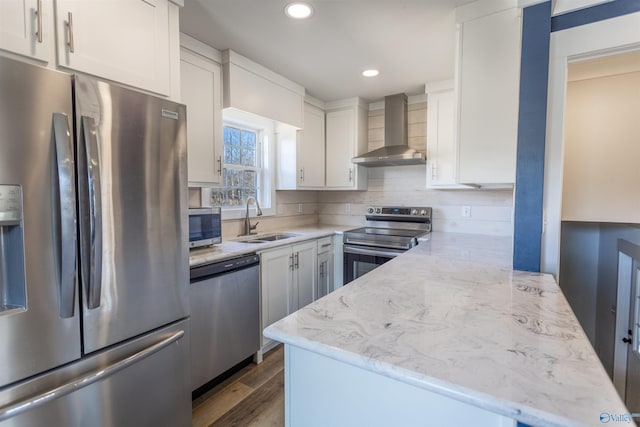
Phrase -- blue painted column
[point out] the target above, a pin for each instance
(532, 124)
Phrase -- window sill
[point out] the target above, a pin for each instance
(240, 213)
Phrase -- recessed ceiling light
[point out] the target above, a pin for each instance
(370, 73)
(298, 10)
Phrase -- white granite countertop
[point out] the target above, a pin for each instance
(235, 247)
(452, 317)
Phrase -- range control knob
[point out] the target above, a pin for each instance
(414, 211)
(378, 210)
(370, 210)
(423, 212)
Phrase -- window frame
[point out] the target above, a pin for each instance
(265, 140)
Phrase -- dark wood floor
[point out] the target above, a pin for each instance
(254, 397)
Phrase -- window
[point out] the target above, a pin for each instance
(247, 164)
(241, 166)
(245, 168)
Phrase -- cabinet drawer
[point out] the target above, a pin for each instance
(325, 244)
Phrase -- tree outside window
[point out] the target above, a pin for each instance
(241, 167)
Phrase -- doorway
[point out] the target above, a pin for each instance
(626, 371)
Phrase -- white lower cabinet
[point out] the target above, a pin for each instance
(287, 280)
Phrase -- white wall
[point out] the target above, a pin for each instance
(601, 179)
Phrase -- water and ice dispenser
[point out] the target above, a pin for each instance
(12, 274)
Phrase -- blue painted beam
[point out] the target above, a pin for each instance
(594, 14)
(532, 124)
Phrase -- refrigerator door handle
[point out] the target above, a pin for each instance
(85, 380)
(92, 246)
(67, 203)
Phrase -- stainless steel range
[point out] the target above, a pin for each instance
(389, 231)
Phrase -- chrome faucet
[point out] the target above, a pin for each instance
(247, 224)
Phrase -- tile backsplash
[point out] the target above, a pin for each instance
(491, 210)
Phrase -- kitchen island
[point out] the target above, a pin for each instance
(445, 334)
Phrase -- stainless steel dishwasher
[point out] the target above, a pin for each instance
(225, 316)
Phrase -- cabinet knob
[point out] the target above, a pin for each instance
(350, 175)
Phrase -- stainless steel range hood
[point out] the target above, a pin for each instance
(396, 150)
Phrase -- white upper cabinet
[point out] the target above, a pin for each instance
(346, 137)
(488, 76)
(26, 27)
(121, 40)
(442, 146)
(301, 158)
(201, 89)
(310, 149)
(250, 87)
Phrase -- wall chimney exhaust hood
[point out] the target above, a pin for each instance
(396, 150)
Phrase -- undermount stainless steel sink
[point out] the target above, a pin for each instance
(265, 238)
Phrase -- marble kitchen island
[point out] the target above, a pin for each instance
(447, 334)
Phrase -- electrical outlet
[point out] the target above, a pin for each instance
(300, 208)
(347, 207)
(466, 211)
(280, 209)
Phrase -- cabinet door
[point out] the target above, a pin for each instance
(201, 88)
(305, 271)
(311, 149)
(277, 284)
(341, 134)
(25, 27)
(489, 92)
(325, 274)
(441, 145)
(122, 40)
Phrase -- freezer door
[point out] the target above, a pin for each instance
(39, 319)
(132, 190)
(143, 382)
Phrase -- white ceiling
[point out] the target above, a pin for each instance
(411, 42)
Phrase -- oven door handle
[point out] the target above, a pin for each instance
(375, 245)
(373, 252)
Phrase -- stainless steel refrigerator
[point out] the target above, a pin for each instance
(93, 253)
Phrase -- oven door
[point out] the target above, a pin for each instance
(360, 260)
